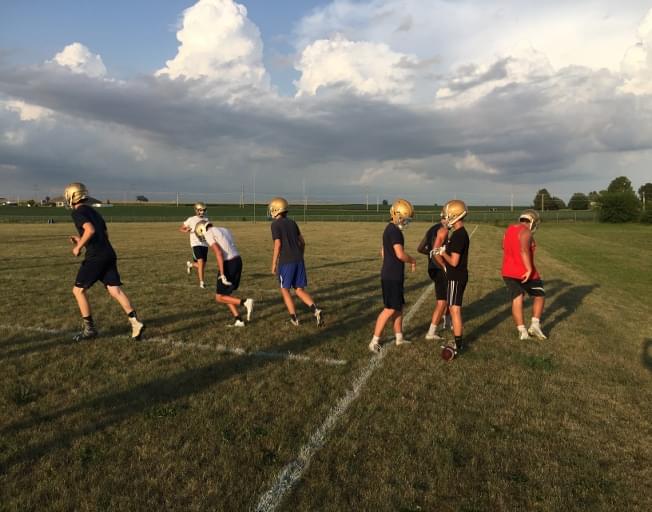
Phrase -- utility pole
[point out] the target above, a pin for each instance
(512, 202)
(377, 204)
(367, 202)
(177, 199)
(254, 198)
(242, 197)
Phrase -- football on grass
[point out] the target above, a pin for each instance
(447, 353)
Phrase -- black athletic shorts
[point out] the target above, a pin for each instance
(233, 272)
(392, 294)
(439, 278)
(455, 292)
(199, 252)
(534, 288)
(98, 269)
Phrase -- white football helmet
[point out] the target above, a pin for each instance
(401, 213)
(454, 211)
(75, 193)
(532, 217)
(277, 206)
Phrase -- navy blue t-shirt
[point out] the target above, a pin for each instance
(287, 231)
(459, 242)
(98, 246)
(430, 239)
(393, 268)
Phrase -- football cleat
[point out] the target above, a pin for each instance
(137, 328)
(188, 267)
(294, 321)
(319, 317)
(202, 285)
(238, 323)
(375, 347)
(536, 331)
(249, 306)
(435, 337)
(75, 193)
(86, 333)
(402, 341)
(277, 206)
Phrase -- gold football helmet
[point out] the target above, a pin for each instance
(401, 212)
(75, 193)
(200, 208)
(277, 206)
(532, 217)
(201, 227)
(454, 211)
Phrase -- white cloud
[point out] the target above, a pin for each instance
(27, 112)
(366, 68)
(79, 59)
(392, 172)
(637, 62)
(221, 45)
(14, 137)
(471, 163)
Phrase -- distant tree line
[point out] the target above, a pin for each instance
(618, 203)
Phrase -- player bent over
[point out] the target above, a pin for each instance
(229, 266)
(197, 244)
(455, 255)
(392, 274)
(521, 275)
(435, 237)
(287, 260)
(100, 262)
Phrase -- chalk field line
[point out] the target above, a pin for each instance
(219, 348)
(290, 474)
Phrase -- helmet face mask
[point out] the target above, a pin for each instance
(532, 217)
(454, 211)
(200, 209)
(75, 193)
(277, 206)
(401, 213)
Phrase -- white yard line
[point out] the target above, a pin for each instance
(222, 349)
(290, 474)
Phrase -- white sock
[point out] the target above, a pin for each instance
(375, 339)
(399, 336)
(521, 328)
(535, 321)
(432, 329)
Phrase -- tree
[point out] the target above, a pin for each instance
(579, 201)
(620, 184)
(385, 203)
(544, 200)
(645, 194)
(619, 207)
(558, 204)
(142, 199)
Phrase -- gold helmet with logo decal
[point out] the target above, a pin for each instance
(401, 213)
(532, 217)
(277, 206)
(75, 193)
(201, 227)
(200, 208)
(454, 211)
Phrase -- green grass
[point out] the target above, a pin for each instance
(116, 425)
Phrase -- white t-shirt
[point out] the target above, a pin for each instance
(223, 238)
(191, 222)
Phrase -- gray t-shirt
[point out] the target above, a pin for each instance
(287, 231)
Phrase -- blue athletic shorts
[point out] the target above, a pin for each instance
(292, 275)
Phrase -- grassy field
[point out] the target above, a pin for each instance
(200, 416)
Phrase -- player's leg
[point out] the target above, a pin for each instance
(385, 315)
(537, 293)
(398, 327)
(299, 282)
(455, 296)
(517, 294)
(437, 315)
(111, 280)
(88, 274)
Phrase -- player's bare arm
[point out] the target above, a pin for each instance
(525, 238)
(219, 256)
(184, 229)
(404, 257)
(89, 231)
(452, 260)
(275, 255)
(440, 239)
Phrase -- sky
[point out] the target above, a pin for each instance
(336, 101)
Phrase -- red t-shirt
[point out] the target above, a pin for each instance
(512, 262)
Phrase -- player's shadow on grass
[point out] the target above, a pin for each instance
(113, 408)
(566, 303)
(646, 355)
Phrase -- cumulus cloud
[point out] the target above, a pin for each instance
(637, 62)
(366, 68)
(79, 59)
(27, 112)
(220, 45)
(471, 163)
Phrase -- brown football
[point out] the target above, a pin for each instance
(447, 353)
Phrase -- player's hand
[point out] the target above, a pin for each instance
(73, 240)
(76, 250)
(222, 278)
(525, 277)
(413, 266)
(274, 269)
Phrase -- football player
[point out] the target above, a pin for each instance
(229, 266)
(287, 260)
(197, 244)
(455, 255)
(435, 237)
(521, 275)
(392, 274)
(100, 262)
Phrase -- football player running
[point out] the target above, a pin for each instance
(392, 274)
(229, 266)
(197, 244)
(435, 237)
(455, 255)
(521, 275)
(100, 262)
(287, 260)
